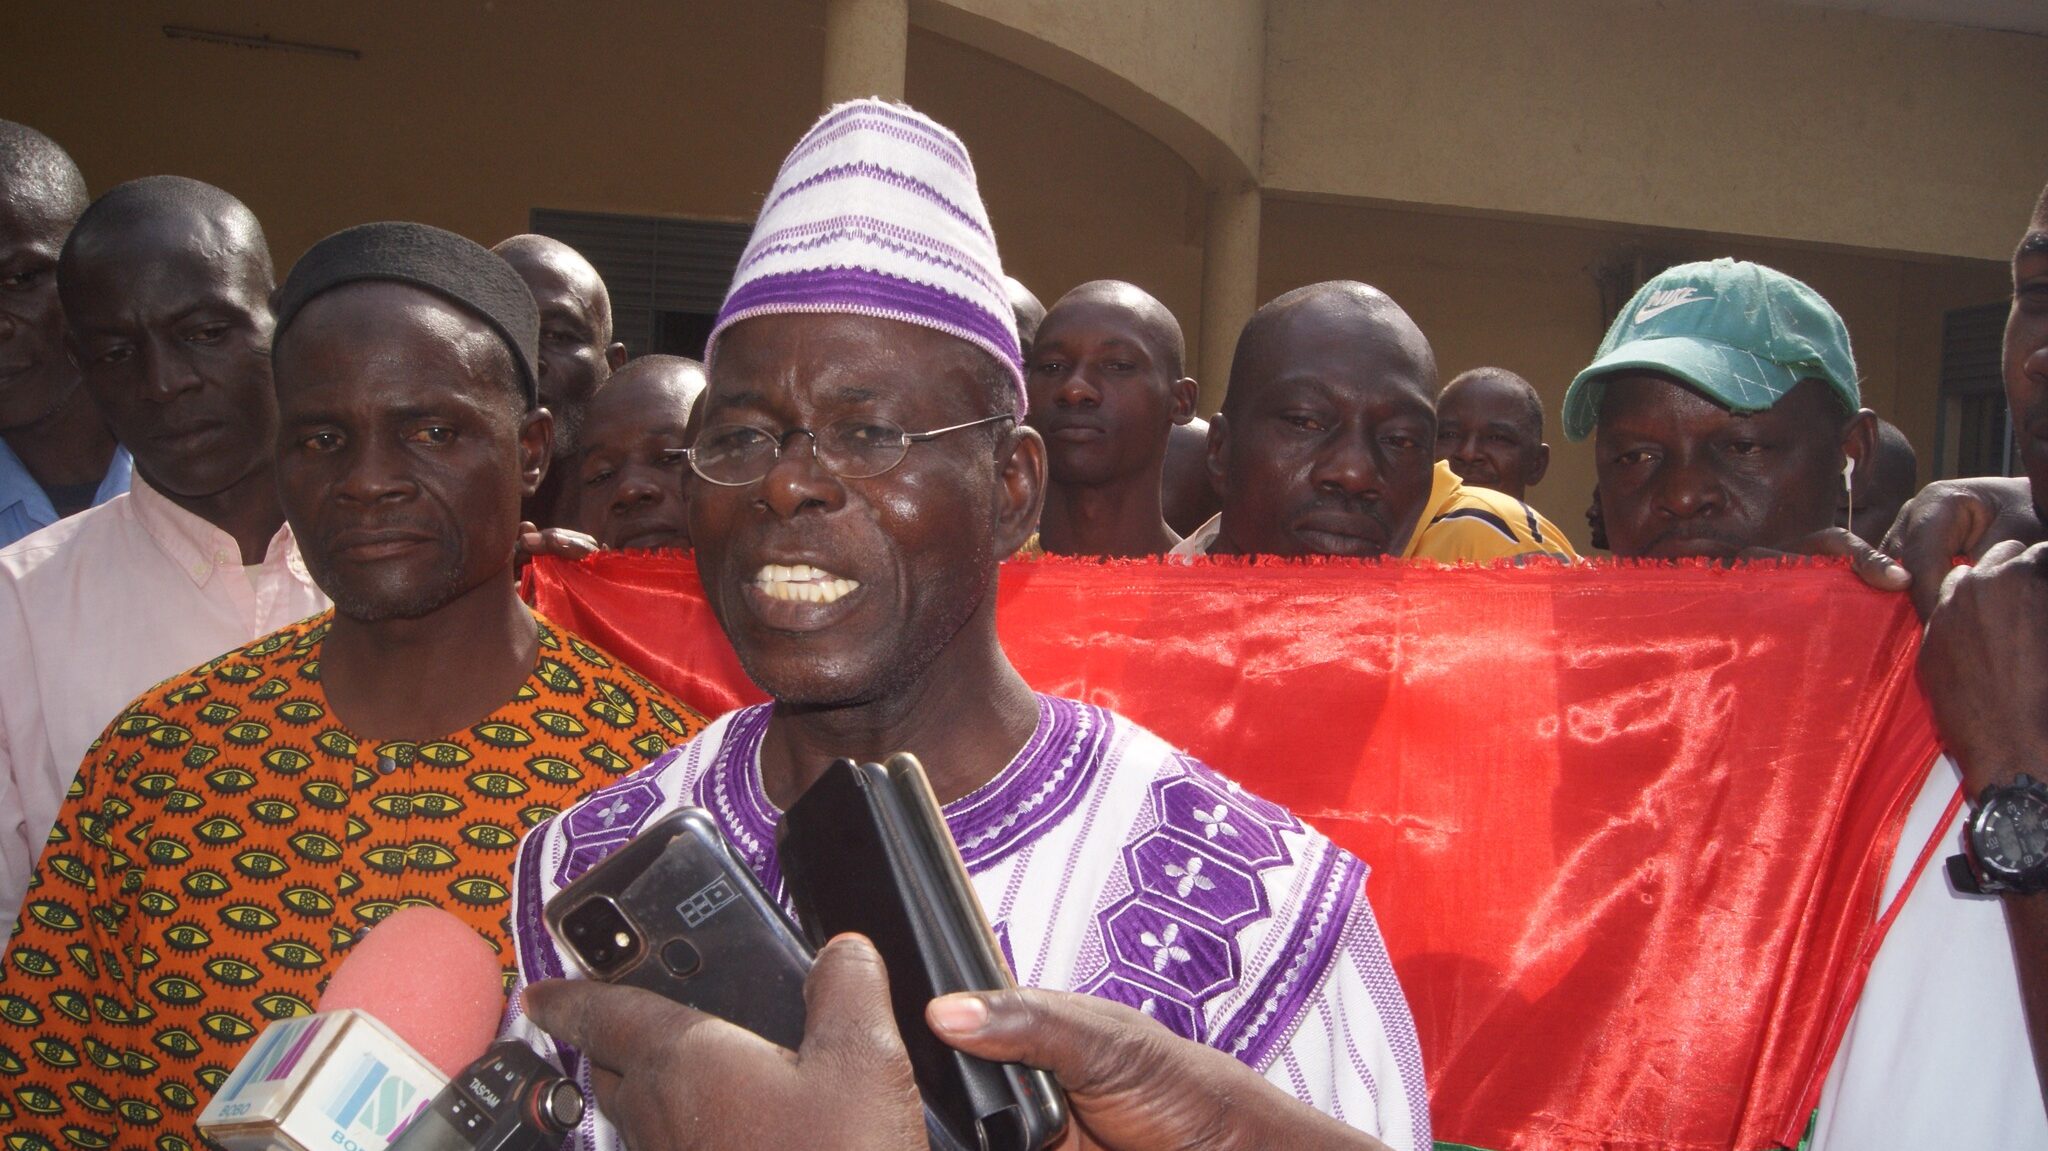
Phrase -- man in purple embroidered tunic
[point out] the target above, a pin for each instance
(854, 567)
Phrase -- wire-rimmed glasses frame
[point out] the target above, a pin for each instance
(839, 449)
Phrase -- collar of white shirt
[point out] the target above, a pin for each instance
(197, 547)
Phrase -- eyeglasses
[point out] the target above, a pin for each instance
(855, 448)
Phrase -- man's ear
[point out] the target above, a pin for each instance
(1185, 390)
(615, 356)
(1859, 445)
(536, 450)
(1022, 495)
(1539, 466)
(1218, 459)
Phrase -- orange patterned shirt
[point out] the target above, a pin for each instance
(227, 840)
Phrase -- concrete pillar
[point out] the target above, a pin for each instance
(867, 46)
(1230, 285)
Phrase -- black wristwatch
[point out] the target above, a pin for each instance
(2005, 841)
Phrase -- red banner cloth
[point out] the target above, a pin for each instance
(1628, 824)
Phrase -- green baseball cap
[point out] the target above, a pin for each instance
(1742, 333)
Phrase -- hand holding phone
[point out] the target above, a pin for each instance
(675, 912)
(866, 850)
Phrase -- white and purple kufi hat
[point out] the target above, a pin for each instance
(876, 213)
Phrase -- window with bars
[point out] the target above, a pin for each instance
(666, 276)
(1973, 432)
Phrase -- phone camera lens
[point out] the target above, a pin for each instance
(602, 937)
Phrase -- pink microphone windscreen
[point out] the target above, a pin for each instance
(428, 977)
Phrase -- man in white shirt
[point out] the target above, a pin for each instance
(166, 285)
(1947, 1045)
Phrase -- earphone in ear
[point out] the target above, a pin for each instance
(1849, 485)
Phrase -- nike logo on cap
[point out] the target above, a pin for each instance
(1664, 301)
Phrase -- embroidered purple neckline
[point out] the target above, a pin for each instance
(1039, 784)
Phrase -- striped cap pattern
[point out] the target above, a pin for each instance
(876, 212)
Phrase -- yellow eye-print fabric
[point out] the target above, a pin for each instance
(227, 840)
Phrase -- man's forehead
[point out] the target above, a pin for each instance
(183, 235)
(1346, 359)
(622, 425)
(1100, 326)
(173, 275)
(1386, 392)
(558, 289)
(1125, 307)
(1480, 392)
(29, 218)
(645, 392)
(422, 352)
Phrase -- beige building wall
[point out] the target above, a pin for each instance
(1075, 193)
(1190, 72)
(1742, 117)
(460, 115)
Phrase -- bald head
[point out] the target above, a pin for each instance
(1326, 437)
(38, 176)
(1327, 317)
(1883, 486)
(161, 214)
(670, 373)
(1030, 313)
(41, 194)
(1148, 318)
(166, 285)
(1497, 384)
(546, 259)
(1489, 428)
(577, 352)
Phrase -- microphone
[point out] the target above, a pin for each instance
(424, 974)
(416, 1001)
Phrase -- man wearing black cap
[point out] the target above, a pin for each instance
(240, 824)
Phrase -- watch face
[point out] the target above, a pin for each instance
(2012, 833)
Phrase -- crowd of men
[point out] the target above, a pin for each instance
(297, 510)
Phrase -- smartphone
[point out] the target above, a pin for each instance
(866, 850)
(675, 912)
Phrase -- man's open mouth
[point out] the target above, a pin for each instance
(802, 583)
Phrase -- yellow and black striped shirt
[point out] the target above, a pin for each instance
(1480, 525)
